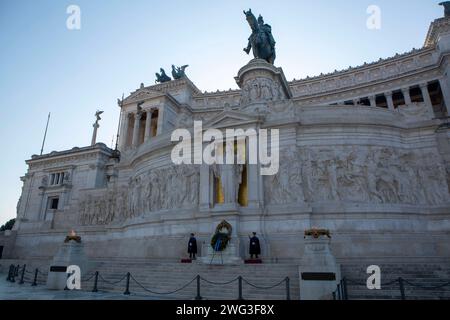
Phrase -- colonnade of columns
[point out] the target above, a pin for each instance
(406, 92)
(131, 130)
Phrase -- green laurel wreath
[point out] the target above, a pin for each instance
(225, 239)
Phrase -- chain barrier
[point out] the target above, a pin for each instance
(341, 291)
(89, 278)
(363, 284)
(218, 283)
(17, 271)
(14, 271)
(264, 288)
(111, 282)
(162, 293)
(427, 288)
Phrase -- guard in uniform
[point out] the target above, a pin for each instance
(192, 247)
(255, 248)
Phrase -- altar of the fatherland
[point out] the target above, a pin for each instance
(363, 152)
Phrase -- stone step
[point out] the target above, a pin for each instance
(166, 276)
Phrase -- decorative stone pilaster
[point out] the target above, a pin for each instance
(160, 125)
(204, 196)
(254, 181)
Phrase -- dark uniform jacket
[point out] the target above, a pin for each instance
(255, 248)
(192, 245)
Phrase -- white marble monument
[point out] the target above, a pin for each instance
(364, 152)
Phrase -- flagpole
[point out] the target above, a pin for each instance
(45, 134)
(120, 122)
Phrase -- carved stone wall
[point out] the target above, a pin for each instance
(358, 174)
(157, 189)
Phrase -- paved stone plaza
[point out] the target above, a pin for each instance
(16, 291)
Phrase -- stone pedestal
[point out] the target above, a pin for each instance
(70, 253)
(319, 272)
(230, 256)
(261, 83)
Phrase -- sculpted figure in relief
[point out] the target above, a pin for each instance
(287, 185)
(260, 90)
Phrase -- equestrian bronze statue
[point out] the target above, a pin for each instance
(261, 39)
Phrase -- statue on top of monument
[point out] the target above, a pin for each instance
(261, 40)
(178, 72)
(97, 116)
(96, 126)
(446, 5)
(163, 77)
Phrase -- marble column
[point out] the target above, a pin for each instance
(159, 128)
(427, 99)
(137, 125)
(390, 101)
(148, 124)
(445, 88)
(204, 200)
(407, 96)
(123, 135)
(373, 101)
(253, 185)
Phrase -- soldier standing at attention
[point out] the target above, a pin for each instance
(192, 247)
(255, 248)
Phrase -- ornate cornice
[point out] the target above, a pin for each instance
(67, 156)
(437, 26)
(160, 90)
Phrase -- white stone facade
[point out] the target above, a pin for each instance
(364, 152)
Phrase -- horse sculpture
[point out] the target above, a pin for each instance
(163, 77)
(261, 39)
(178, 73)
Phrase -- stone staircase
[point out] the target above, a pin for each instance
(163, 277)
(168, 276)
(418, 274)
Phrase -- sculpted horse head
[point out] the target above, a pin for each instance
(253, 23)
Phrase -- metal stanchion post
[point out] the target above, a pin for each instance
(198, 297)
(288, 289)
(240, 289)
(344, 283)
(35, 277)
(95, 282)
(10, 273)
(23, 274)
(402, 288)
(127, 290)
(339, 292)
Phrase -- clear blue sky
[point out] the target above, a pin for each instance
(44, 67)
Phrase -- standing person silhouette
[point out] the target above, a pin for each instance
(192, 247)
(255, 248)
